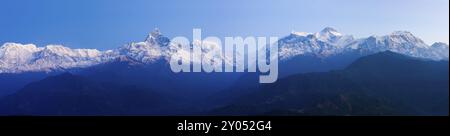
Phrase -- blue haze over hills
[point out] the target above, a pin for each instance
(367, 76)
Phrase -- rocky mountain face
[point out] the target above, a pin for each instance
(18, 58)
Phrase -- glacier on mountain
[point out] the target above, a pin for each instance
(329, 42)
(17, 58)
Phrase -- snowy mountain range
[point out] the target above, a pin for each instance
(329, 42)
(18, 58)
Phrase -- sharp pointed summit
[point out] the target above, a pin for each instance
(329, 31)
(156, 32)
(328, 34)
(156, 38)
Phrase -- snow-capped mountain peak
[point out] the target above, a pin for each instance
(16, 50)
(142, 51)
(440, 50)
(14, 53)
(405, 37)
(152, 49)
(322, 44)
(60, 50)
(328, 34)
(156, 38)
(16, 57)
(440, 45)
(329, 42)
(10, 45)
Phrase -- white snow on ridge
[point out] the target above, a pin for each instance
(17, 58)
(300, 33)
(321, 44)
(329, 42)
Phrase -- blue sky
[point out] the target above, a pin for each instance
(107, 24)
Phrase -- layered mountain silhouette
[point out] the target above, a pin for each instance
(385, 83)
(323, 73)
(69, 94)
